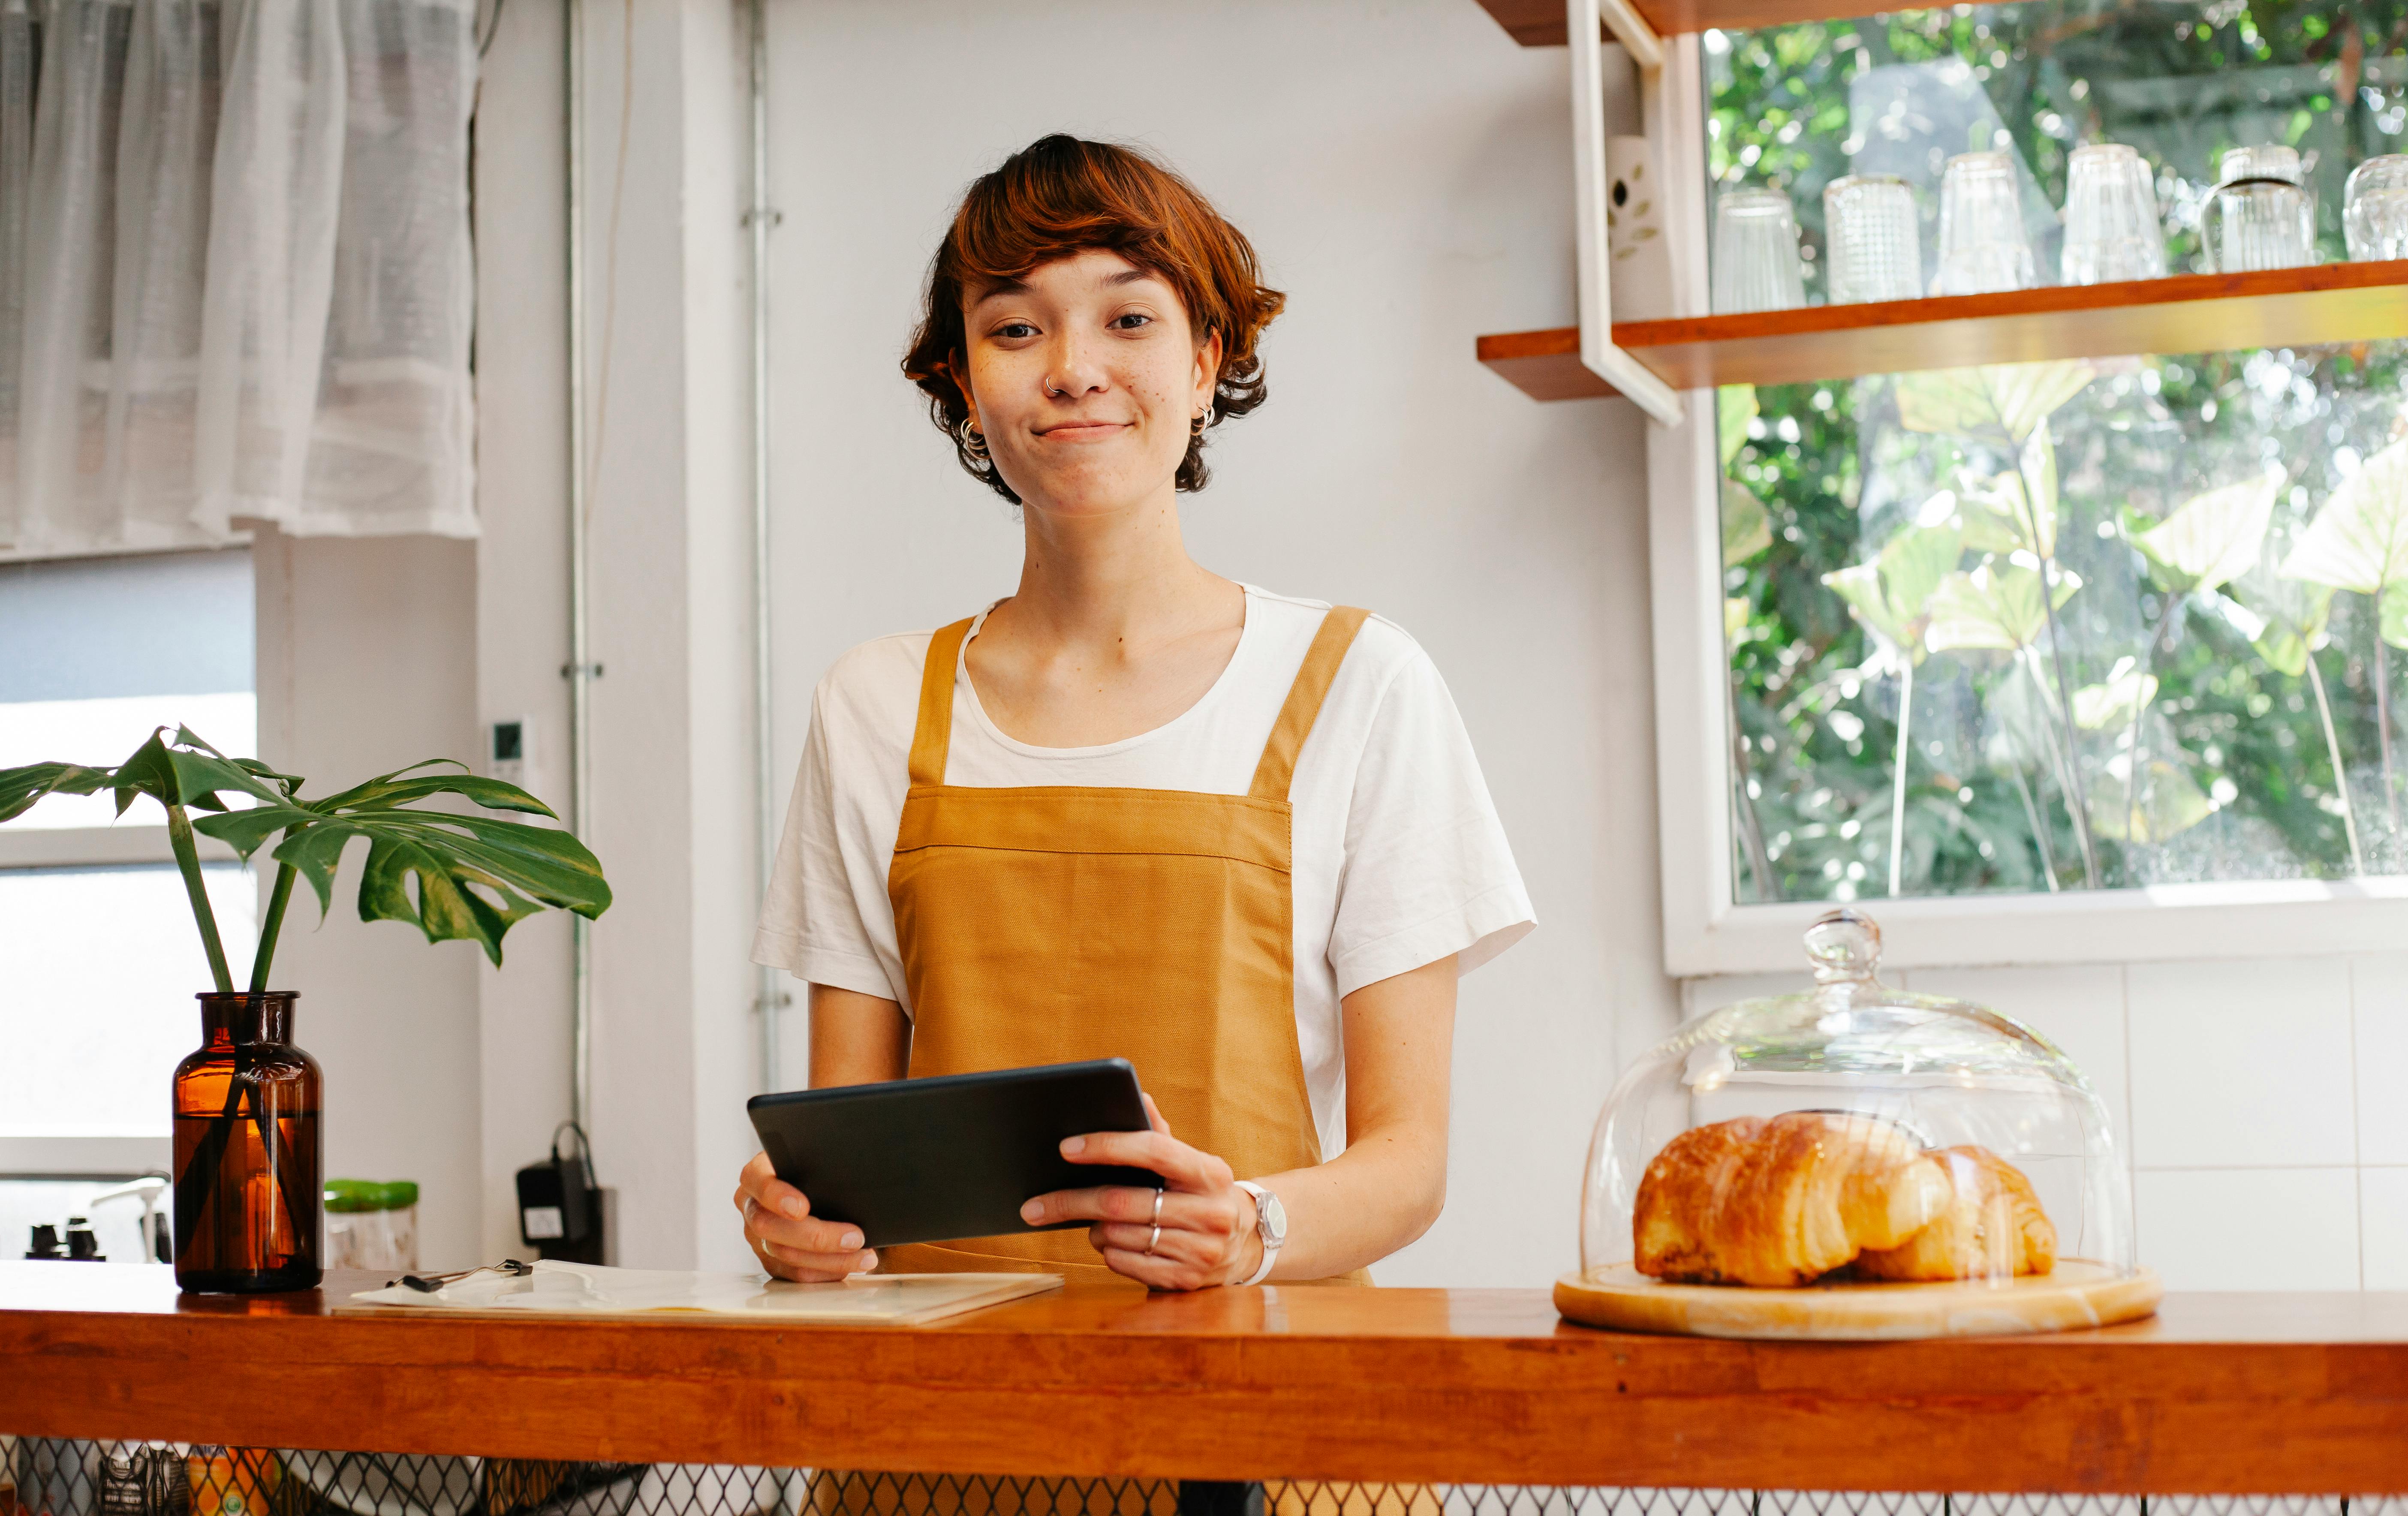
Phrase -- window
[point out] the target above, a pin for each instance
(2206, 699)
(102, 958)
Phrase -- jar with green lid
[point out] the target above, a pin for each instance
(372, 1224)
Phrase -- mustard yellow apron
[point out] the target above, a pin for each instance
(1051, 925)
(1054, 925)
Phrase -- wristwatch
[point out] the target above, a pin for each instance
(1270, 1224)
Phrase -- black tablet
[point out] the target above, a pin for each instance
(956, 1155)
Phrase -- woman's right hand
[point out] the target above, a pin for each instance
(789, 1241)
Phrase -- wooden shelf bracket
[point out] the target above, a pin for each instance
(1585, 21)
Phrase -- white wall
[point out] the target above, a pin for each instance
(1403, 169)
(367, 661)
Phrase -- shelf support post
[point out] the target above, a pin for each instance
(1585, 21)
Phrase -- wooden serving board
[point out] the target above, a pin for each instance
(2076, 1294)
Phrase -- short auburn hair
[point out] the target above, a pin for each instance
(1060, 196)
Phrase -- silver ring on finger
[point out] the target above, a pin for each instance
(1151, 1240)
(1157, 1207)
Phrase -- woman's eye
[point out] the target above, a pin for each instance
(1132, 321)
(1014, 331)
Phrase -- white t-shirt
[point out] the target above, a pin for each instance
(1399, 857)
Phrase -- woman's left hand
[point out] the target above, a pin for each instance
(1207, 1234)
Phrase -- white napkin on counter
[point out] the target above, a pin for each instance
(558, 1288)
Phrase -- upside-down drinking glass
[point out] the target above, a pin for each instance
(2111, 231)
(1869, 228)
(2374, 209)
(1757, 266)
(2261, 214)
(1982, 243)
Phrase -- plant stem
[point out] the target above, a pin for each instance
(2059, 755)
(2040, 832)
(277, 900)
(188, 863)
(2077, 801)
(2340, 775)
(2133, 754)
(2382, 730)
(1897, 776)
(1751, 831)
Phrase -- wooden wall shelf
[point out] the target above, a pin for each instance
(2284, 308)
(1540, 24)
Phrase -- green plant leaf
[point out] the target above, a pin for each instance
(2172, 802)
(2214, 538)
(2395, 615)
(2099, 707)
(1734, 620)
(21, 789)
(1734, 407)
(2001, 514)
(1997, 402)
(2358, 540)
(1892, 596)
(2292, 612)
(1996, 606)
(1747, 526)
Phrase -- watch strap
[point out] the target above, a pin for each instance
(1262, 1230)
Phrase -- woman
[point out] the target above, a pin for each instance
(1136, 809)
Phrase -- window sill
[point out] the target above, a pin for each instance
(2269, 919)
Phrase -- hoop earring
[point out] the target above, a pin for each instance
(974, 441)
(1196, 428)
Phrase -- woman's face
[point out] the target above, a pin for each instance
(1085, 379)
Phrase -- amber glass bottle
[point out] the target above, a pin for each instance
(247, 1150)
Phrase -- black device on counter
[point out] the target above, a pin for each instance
(560, 1207)
(957, 1155)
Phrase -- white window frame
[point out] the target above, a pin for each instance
(1705, 931)
(91, 846)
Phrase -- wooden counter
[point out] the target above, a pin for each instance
(2258, 1393)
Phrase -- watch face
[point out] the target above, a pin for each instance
(1274, 1220)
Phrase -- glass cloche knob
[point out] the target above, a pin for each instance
(1844, 946)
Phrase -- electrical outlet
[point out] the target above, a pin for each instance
(510, 753)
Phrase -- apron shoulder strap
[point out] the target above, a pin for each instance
(933, 738)
(1304, 697)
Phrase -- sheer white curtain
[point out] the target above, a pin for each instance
(234, 272)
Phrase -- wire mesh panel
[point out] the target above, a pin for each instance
(60, 1477)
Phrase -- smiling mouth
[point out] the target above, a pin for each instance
(1081, 429)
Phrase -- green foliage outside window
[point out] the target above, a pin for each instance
(2069, 625)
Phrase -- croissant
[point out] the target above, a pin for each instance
(1992, 1228)
(1782, 1200)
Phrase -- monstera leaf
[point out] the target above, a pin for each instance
(473, 876)
(1892, 594)
(1996, 606)
(1999, 402)
(2358, 540)
(2214, 538)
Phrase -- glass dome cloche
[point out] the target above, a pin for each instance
(1854, 1162)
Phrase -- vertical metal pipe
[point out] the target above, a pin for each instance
(579, 671)
(768, 996)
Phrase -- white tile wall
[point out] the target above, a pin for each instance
(2250, 1228)
(2080, 1009)
(2247, 1096)
(2383, 1231)
(2379, 1002)
(2242, 1065)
